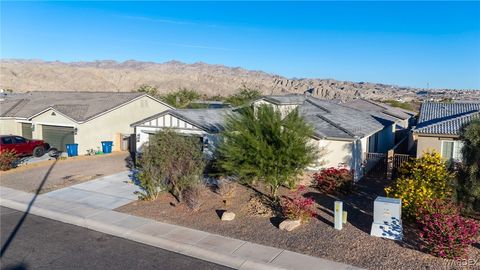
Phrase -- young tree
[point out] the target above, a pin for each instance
(148, 89)
(260, 145)
(244, 96)
(181, 98)
(468, 183)
(170, 162)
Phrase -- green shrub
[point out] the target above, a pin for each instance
(420, 180)
(468, 180)
(263, 146)
(7, 158)
(181, 98)
(170, 162)
(244, 96)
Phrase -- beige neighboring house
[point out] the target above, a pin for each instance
(84, 118)
(439, 126)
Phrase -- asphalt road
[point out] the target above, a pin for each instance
(42, 243)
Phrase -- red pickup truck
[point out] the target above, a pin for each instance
(23, 146)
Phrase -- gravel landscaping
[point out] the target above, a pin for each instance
(63, 173)
(352, 245)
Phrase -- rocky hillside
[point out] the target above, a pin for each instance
(32, 75)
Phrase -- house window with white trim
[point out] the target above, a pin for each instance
(452, 150)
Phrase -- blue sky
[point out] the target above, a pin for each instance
(403, 43)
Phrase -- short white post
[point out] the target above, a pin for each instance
(338, 215)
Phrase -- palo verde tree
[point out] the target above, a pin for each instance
(261, 145)
(181, 98)
(468, 183)
(170, 162)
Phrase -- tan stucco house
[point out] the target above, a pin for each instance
(84, 118)
(342, 134)
(439, 126)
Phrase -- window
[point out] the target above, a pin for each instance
(7, 140)
(20, 140)
(452, 150)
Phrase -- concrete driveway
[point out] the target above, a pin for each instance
(50, 175)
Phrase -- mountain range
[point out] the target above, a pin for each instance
(106, 75)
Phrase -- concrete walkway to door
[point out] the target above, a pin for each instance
(107, 192)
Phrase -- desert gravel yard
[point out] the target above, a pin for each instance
(63, 173)
(352, 245)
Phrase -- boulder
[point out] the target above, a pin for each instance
(227, 216)
(289, 225)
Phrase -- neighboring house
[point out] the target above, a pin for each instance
(206, 124)
(343, 134)
(85, 118)
(439, 126)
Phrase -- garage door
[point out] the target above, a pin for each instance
(57, 136)
(27, 130)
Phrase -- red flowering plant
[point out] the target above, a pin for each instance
(298, 207)
(334, 180)
(443, 231)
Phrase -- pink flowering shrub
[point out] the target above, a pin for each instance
(334, 180)
(443, 231)
(295, 206)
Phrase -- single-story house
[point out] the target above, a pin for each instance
(206, 124)
(342, 134)
(84, 118)
(404, 119)
(439, 126)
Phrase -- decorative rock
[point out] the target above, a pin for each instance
(289, 225)
(228, 216)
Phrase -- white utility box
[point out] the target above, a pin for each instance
(387, 218)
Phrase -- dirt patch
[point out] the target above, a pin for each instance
(63, 173)
(352, 245)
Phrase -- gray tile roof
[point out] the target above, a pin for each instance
(331, 120)
(445, 118)
(286, 99)
(80, 106)
(210, 120)
(380, 109)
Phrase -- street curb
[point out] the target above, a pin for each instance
(160, 242)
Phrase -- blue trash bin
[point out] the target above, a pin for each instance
(72, 149)
(107, 147)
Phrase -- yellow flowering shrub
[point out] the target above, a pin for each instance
(420, 180)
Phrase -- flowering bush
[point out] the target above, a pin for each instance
(333, 180)
(6, 159)
(297, 207)
(443, 231)
(420, 180)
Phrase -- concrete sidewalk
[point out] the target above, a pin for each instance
(107, 192)
(206, 246)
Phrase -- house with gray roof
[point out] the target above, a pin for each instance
(84, 118)
(439, 126)
(403, 118)
(342, 133)
(206, 124)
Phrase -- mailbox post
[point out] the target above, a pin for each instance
(387, 218)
